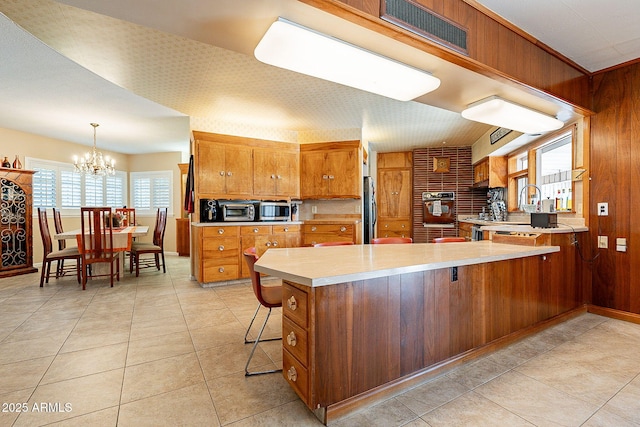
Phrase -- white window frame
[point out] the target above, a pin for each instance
(59, 167)
(155, 178)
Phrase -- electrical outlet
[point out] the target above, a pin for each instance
(358, 208)
(603, 242)
(603, 209)
(314, 209)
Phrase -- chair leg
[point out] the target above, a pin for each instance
(42, 273)
(246, 341)
(253, 349)
(78, 270)
(157, 258)
(164, 269)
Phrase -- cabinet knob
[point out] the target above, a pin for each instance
(325, 176)
(343, 229)
(275, 243)
(221, 248)
(273, 176)
(386, 226)
(268, 244)
(292, 374)
(221, 173)
(286, 229)
(313, 228)
(402, 225)
(313, 242)
(255, 230)
(292, 340)
(221, 270)
(292, 303)
(331, 176)
(220, 230)
(278, 177)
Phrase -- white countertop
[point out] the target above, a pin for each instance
(337, 264)
(524, 227)
(237, 223)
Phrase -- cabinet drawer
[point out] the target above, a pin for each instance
(227, 247)
(295, 304)
(215, 271)
(284, 228)
(394, 233)
(312, 239)
(219, 232)
(342, 229)
(395, 225)
(296, 375)
(294, 340)
(249, 230)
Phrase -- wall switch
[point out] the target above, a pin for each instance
(603, 209)
(314, 209)
(621, 244)
(358, 208)
(603, 242)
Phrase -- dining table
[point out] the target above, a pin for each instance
(122, 237)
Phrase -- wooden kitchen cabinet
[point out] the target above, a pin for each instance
(331, 170)
(490, 172)
(394, 194)
(223, 170)
(313, 233)
(219, 254)
(276, 172)
(264, 237)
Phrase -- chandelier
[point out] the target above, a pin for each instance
(94, 163)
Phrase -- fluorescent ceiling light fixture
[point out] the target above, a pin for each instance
(291, 46)
(498, 112)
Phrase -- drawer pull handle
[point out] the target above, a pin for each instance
(292, 340)
(292, 303)
(343, 229)
(292, 374)
(220, 230)
(221, 248)
(268, 244)
(313, 228)
(221, 270)
(286, 229)
(275, 243)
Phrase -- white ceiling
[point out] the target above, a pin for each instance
(149, 70)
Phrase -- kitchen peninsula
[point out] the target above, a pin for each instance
(363, 322)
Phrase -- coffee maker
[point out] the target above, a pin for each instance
(209, 210)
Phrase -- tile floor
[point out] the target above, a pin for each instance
(160, 350)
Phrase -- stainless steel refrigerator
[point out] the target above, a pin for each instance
(368, 210)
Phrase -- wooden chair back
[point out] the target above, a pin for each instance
(129, 214)
(96, 239)
(57, 222)
(250, 256)
(47, 243)
(160, 227)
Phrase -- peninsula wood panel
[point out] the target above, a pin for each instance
(495, 47)
(615, 155)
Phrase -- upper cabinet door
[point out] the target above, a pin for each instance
(210, 168)
(394, 193)
(224, 170)
(276, 173)
(239, 166)
(330, 170)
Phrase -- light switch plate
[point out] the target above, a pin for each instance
(603, 242)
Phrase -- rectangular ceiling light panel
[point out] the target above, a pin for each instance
(498, 112)
(293, 47)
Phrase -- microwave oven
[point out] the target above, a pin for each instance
(231, 210)
(274, 211)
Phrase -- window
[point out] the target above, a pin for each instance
(57, 185)
(150, 191)
(548, 164)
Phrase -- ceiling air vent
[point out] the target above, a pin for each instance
(419, 20)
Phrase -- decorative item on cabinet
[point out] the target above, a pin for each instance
(6, 163)
(16, 163)
(441, 164)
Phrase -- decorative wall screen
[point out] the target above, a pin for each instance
(13, 224)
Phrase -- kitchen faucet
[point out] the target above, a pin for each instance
(522, 191)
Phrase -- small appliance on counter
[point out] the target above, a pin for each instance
(237, 210)
(274, 211)
(544, 220)
(209, 210)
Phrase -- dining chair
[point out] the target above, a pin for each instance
(387, 240)
(317, 245)
(96, 243)
(449, 239)
(156, 247)
(269, 297)
(61, 269)
(129, 214)
(49, 254)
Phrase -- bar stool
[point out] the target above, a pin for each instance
(449, 239)
(391, 240)
(332, 244)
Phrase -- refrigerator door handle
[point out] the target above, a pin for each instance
(374, 213)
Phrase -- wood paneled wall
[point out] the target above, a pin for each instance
(615, 179)
(495, 48)
(458, 179)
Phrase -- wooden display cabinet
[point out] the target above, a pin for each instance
(16, 227)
